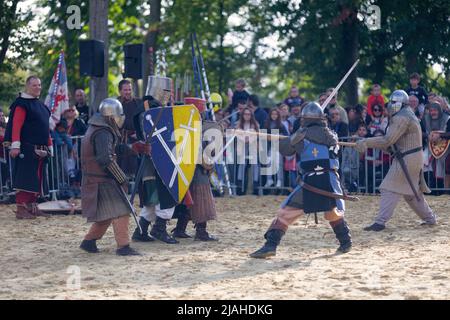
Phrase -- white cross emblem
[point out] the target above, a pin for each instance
(157, 133)
(187, 128)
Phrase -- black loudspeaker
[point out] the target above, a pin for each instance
(92, 58)
(133, 61)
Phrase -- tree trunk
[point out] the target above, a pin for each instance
(380, 68)
(98, 25)
(7, 28)
(350, 55)
(151, 39)
(411, 62)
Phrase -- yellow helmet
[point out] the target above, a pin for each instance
(216, 98)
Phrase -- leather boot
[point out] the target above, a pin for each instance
(127, 251)
(342, 232)
(89, 246)
(273, 238)
(375, 227)
(142, 237)
(182, 222)
(201, 234)
(159, 231)
(24, 211)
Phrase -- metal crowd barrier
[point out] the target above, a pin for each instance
(63, 172)
(365, 175)
(360, 174)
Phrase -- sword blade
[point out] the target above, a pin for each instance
(335, 90)
(133, 210)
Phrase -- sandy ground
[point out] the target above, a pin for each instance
(404, 261)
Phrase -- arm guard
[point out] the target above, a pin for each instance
(104, 155)
(116, 172)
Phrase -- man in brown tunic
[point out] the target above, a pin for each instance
(104, 201)
(404, 134)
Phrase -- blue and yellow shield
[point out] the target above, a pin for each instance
(176, 143)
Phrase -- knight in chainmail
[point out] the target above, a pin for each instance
(319, 188)
(405, 136)
(103, 199)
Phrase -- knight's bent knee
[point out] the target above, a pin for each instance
(334, 215)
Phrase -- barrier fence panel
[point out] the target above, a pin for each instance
(359, 173)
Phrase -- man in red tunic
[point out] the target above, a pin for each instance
(29, 136)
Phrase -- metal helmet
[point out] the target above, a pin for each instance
(159, 88)
(312, 111)
(398, 99)
(112, 108)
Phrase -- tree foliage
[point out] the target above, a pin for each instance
(273, 44)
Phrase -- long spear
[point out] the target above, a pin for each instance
(140, 171)
(205, 79)
(196, 70)
(210, 107)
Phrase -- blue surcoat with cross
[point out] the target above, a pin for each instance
(318, 167)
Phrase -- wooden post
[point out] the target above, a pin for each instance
(98, 25)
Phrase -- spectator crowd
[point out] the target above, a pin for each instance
(359, 172)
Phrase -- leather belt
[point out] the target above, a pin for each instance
(411, 151)
(326, 193)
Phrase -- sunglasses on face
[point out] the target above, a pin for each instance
(376, 110)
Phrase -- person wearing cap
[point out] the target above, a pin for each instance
(437, 126)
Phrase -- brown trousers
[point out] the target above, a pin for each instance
(120, 227)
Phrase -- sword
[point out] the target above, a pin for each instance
(133, 210)
(170, 154)
(335, 90)
(279, 137)
(397, 155)
(183, 146)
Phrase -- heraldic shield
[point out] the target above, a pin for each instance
(439, 148)
(176, 142)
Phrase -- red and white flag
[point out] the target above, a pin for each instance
(58, 95)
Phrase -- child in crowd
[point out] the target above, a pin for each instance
(375, 98)
(417, 90)
(60, 136)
